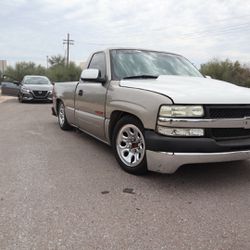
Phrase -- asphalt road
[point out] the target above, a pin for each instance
(64, 190)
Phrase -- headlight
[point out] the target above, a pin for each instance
(180, 131)
(181, 111)
(25, 90)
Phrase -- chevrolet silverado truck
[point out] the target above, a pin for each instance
(156, 110)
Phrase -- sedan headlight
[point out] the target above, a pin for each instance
(25, 90)
(181, 111)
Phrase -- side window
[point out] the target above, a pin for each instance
(98, 62)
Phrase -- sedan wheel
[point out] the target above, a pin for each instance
(20, 98)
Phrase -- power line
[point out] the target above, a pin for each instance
(209, 29)
(217, 32)
(217, 29)
(68, 42)
(207, 26)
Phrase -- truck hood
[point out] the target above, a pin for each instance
(192, 90)
(38, 87)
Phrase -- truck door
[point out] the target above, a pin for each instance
(90, 100)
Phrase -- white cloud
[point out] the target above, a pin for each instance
(200, 30)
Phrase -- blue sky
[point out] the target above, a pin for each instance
(199, 30)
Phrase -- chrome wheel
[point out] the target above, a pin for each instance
(61, 115)
(130, 145)
(62, 119)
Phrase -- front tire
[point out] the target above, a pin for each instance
(129, 145)
(62, 120)
(20, 98)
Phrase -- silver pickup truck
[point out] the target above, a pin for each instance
(156, 110)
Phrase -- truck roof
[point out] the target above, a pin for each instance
(143, 49)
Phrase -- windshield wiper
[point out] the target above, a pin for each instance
(141, 77)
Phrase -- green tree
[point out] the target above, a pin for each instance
(23, 68)
(57, 72)
(56, 60)
(228, 71)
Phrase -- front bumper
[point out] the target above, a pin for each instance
(31, 97)
(166, 154)
(161, 143)
(165, 162)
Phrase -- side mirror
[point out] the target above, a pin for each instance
(16, 82)
(92, 75)
(209, 77)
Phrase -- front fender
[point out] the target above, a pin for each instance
(140, 103)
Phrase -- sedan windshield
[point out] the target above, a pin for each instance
(127, 64)
(36, 80)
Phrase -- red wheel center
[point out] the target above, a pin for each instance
(134, 145)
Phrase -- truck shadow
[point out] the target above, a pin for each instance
(8, 99)
(212, 175)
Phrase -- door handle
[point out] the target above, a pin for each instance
(80, 93)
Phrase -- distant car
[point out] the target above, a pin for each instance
(10, 88)
(35, 88)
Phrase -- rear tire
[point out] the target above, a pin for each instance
(62, 119)
(129, 145)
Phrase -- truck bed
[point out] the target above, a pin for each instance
(66, 92)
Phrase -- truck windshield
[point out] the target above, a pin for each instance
(127, 64)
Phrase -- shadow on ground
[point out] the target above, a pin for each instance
(15, 100)
(216, 175)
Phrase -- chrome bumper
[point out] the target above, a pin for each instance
(165, 162)
(31, 98)
(169, 162)
(205, 123)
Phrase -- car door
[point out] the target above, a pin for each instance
(90, 100)
(9, 88)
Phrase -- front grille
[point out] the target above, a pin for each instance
(228, 111)
(40, 94)
(230, 133)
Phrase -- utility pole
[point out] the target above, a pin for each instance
(68, 42)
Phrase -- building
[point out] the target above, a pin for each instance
(3, 65)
